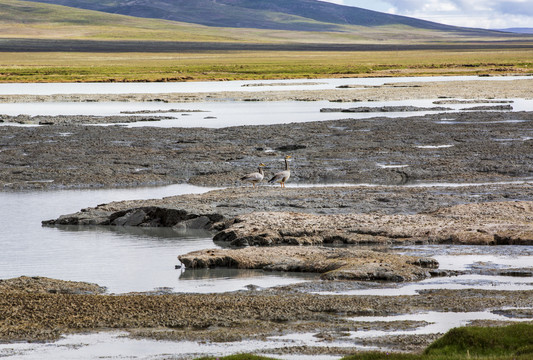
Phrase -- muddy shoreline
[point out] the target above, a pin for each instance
(41, 315)
(471, 167)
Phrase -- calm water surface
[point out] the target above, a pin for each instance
(217, 86)
(232, 113)
(122, 259)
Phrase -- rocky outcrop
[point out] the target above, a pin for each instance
(501, 223)
(332, 263)
(490, 108)
(143, 216)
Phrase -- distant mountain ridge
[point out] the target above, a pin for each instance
(518, 30)
(302, 15)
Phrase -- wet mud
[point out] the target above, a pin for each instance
(461, 167)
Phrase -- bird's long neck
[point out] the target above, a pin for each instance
(260, 170)
(286, 164)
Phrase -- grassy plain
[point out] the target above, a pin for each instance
(238, 65)
(38, 43)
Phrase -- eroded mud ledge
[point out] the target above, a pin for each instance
(481, 215)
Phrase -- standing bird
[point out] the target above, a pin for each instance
(255, 177)
(282, 176)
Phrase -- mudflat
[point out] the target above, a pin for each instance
(455, 177)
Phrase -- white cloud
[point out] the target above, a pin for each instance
(467, 13)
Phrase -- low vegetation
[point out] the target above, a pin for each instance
(123, 67)
(482, 343)
(52, 43)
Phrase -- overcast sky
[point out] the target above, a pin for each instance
(488, 14)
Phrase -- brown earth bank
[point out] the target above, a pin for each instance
(38, 315)
(333, 264)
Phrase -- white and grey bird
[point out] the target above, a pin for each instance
(255, 177)
(282, 176)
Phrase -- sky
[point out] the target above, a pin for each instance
(487, 14)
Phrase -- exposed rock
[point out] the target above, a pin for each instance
(143, 216)
(480, 224)
(200, 222)
(332, 263)
(409, 215)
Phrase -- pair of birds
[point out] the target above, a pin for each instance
(279, 177)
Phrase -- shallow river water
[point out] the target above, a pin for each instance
(126, 260)
(233, 113)
(217, 86)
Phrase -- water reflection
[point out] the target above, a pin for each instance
(140, 232)
(225, 273)
(222, 279)
(123, 259)
(233, 113)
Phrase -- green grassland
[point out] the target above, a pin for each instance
(22, 22)
(513, 342)
(236, 65)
